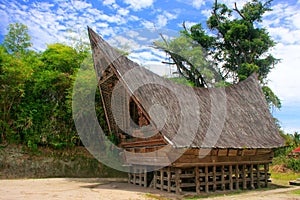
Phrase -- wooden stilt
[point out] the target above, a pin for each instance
(266, 168)
(197, 180)
(134, 175)
(169, 179)
(154, 179)
(251, 177)
(161, 179)
(258, 176)
(223, 178)
(230, 178)
(237, 177)
(140, 176)
(206, 179)
(244, 177)
(145, 177)
(214, 179)
(177, 180)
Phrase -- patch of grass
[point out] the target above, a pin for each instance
(297, 192)
(155, 196)
(283, 178)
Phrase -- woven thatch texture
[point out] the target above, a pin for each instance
(233, 117)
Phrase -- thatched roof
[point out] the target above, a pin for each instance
(232, 117)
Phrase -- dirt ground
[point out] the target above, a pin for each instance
(111, 189)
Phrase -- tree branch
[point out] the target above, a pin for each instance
(239, 12)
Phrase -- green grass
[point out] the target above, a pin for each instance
(296, 192)
(284, 178)
(154, 196)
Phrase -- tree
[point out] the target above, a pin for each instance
(13, 77)
(236, 43)
(17, 40)
(62, 58)
(239, 45)
(189, 59)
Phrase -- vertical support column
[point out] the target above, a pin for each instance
(145, 177)
(214, 179)
(177, 180)
(237, 177)
(169, 179)
(244, 177)
(258, 176)
(134, 175)
(154, 179)
(266, 168)
(230, 178)
(197, 180)
(140, 176)
(251, 177)
(129, 175)
(206, 179)
(161, 179)
(223, 178)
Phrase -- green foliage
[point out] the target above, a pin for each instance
(294, 164)
(36, 92)
(14, 75)
(61, 58)
(190, 60)
(17, 40)
(182, 81)
(237, 43)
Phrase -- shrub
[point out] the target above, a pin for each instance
(294, 164)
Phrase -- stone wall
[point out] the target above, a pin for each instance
(20, 162)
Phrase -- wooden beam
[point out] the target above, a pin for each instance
(237, 177)
(185, 164)
(214, 179)
(161, 179)
(145, 177)
(169, 179)
(222, 178)
(244, 177)
(143, 143)
(177, 180)
(197, 180)
(251, 177)
(105, 111)
(206, 179)
(266, 168)
(230, 178)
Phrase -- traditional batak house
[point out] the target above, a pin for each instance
(178, 138)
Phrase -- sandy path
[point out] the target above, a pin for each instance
(109, 189)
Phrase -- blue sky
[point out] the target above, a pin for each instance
(128, 23)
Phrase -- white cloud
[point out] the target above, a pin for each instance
(108, 2)
(47, 22)
(148, 24)
(81, 4)
(198, 3)
(285, 77)
(4, 22)
(139, 4)
(283, 25)
(162, 20)
(124, 43)
(123, 11)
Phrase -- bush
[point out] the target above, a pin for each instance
(294, 164)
